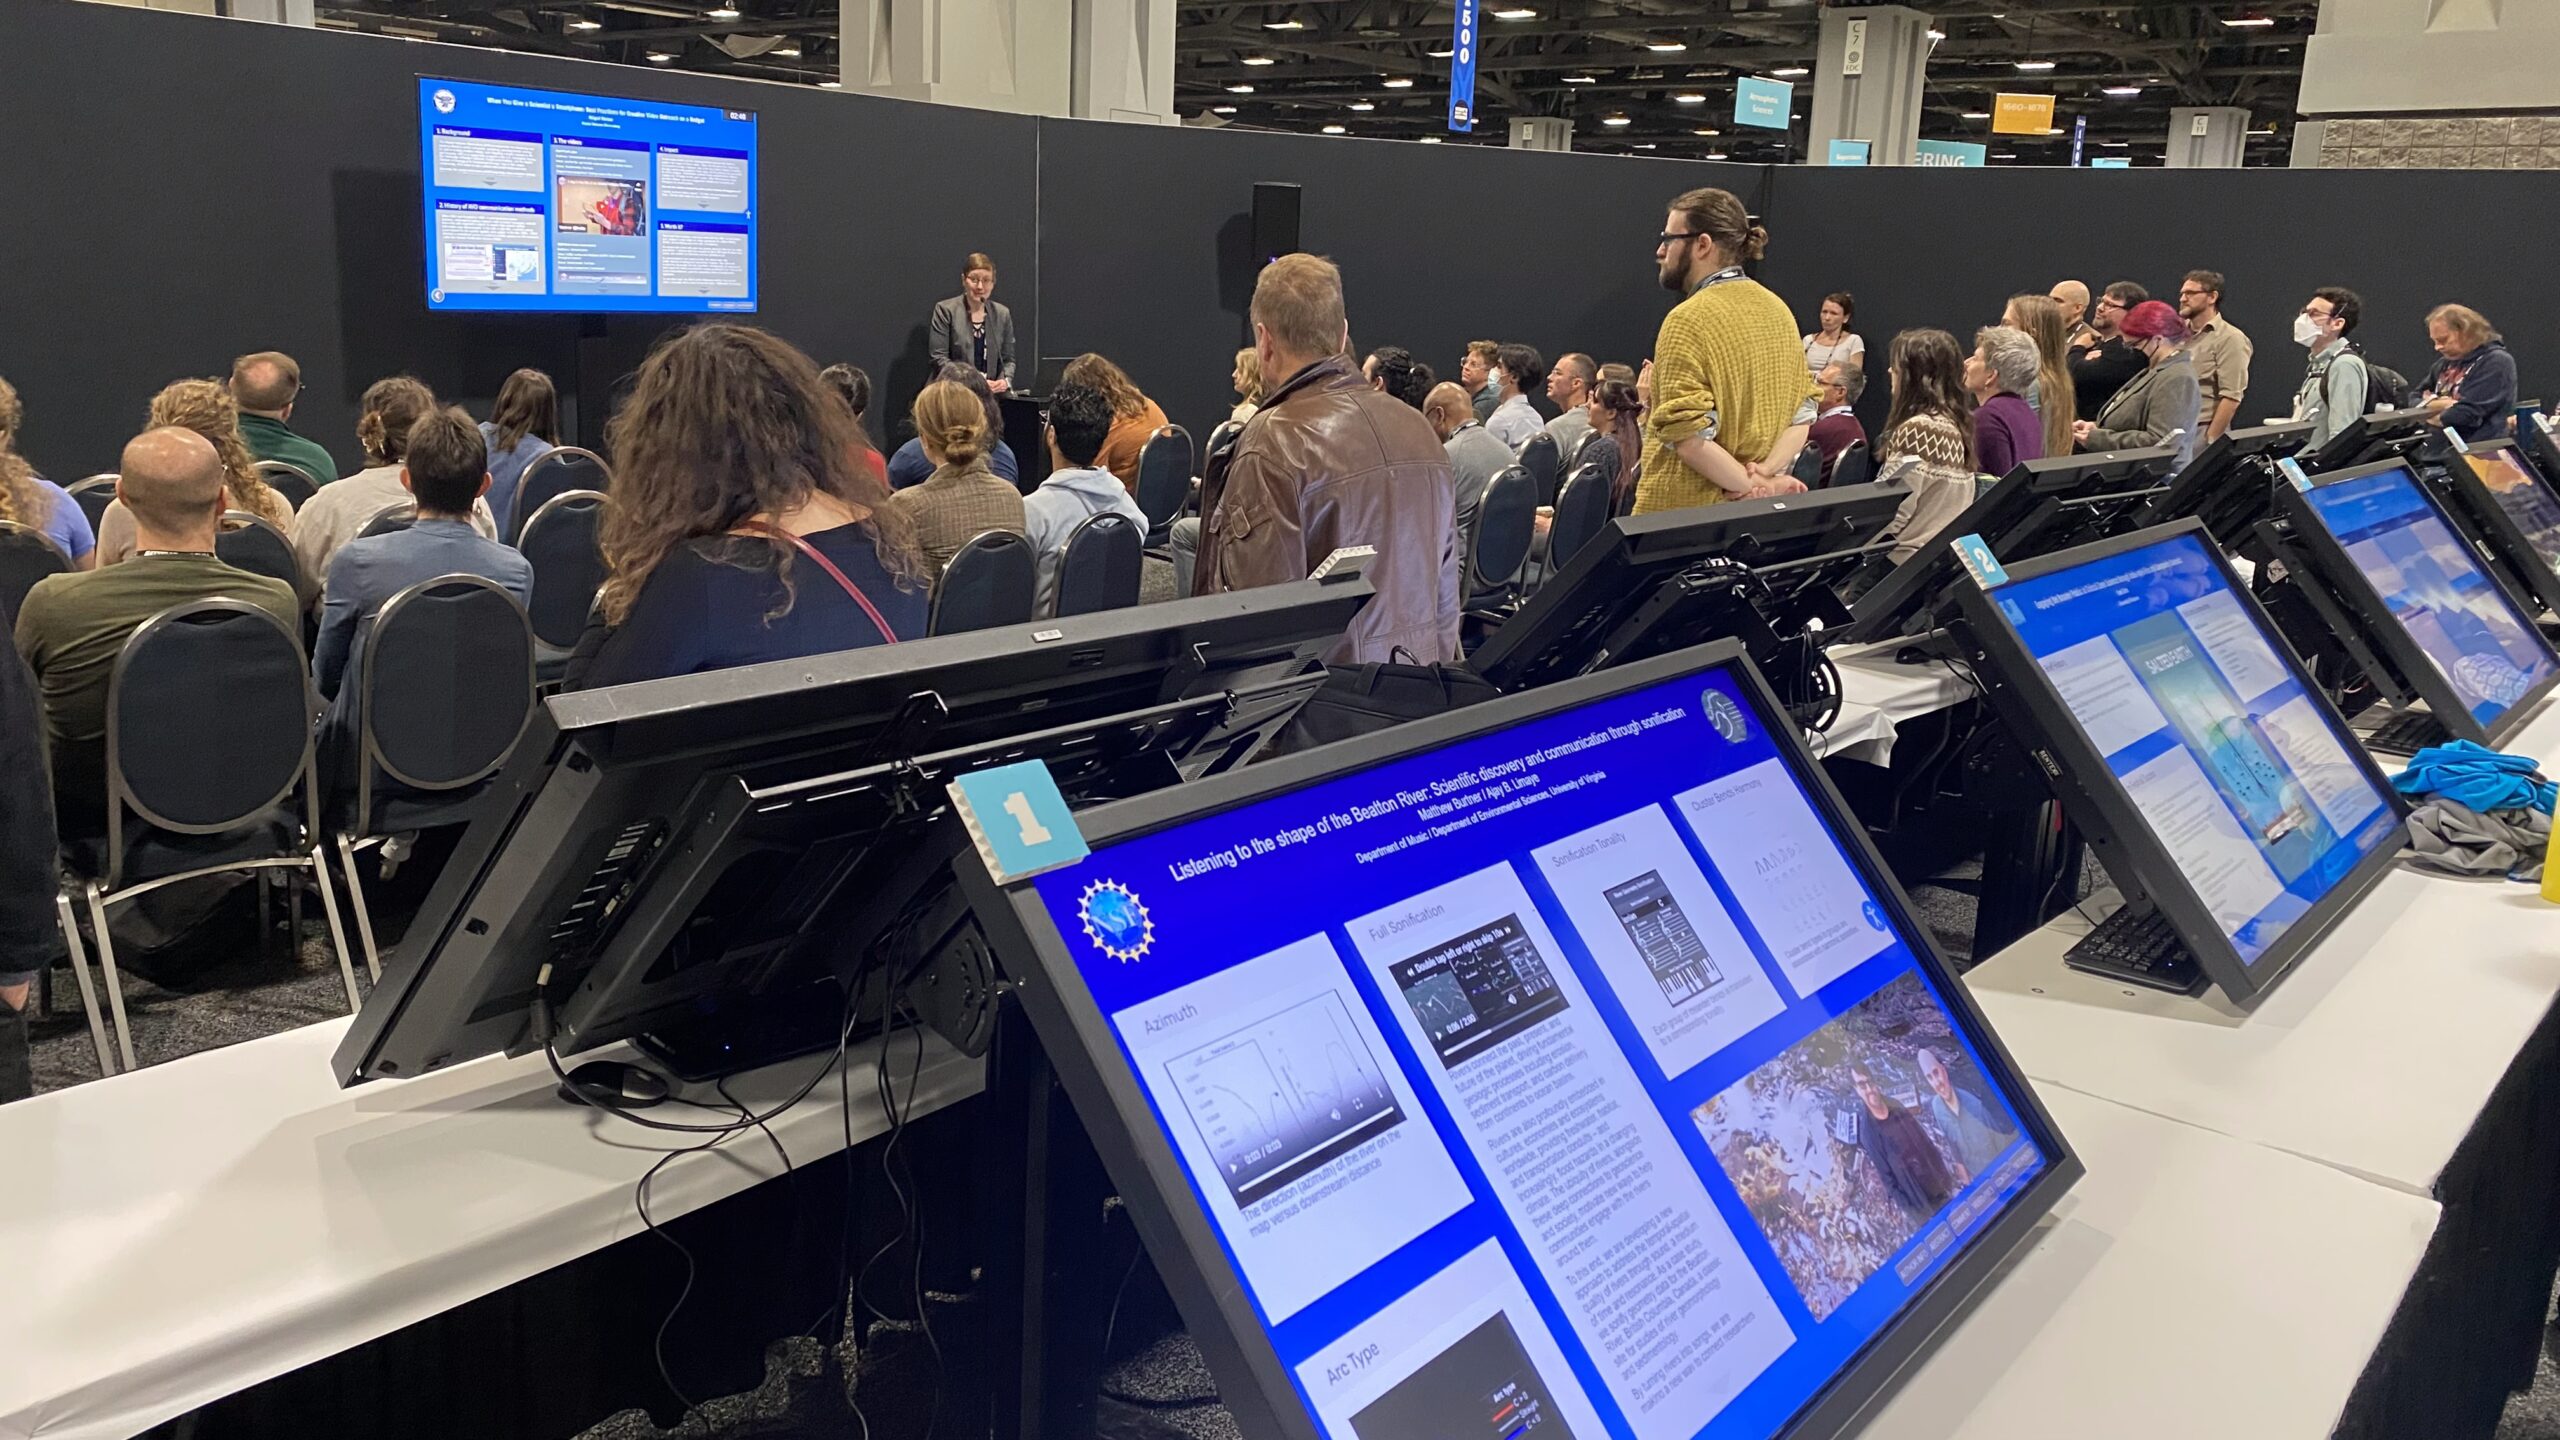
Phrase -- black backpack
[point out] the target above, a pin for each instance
(2383, 385)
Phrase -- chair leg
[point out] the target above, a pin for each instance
(355, 902)
(293, 915)
(337, 932)
(88, 990)
(266, 912)
(115, 982)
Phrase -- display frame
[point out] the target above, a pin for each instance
(1254, 1382)
(2096, 801)
(2336, 572)
(2513, 561)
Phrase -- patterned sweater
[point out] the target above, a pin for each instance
(1728, 366)
(1929, 454)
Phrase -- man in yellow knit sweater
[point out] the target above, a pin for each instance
(1731, 400)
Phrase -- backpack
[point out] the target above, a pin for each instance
(2383, 385)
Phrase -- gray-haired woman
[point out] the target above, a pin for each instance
(2006, 431)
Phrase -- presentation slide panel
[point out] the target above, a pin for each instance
(1848, 1144)
(1299, 1128)
(1462, 1356)
(484, 248)
(2191, 819)
(1661, 938)
(1791, 880)
(699, 259)
(2311, 749)
(600, 159)
(2234, 642)
(468, 159)
(710, 181)
(1656, 1286)
(2103, 694)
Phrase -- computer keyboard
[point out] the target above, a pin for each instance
(2407, 733)
(2137, 945)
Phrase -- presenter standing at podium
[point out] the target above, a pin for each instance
(972, 328)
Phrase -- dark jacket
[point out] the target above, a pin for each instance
(2099, 368)
(2484, 393)
(28, 938)
(951, 340)
(1328, 462)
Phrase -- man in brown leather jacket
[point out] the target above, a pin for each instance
(1328, 462)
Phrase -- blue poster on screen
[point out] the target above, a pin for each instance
(1951, 154)
(1765, 103)
(1462, 69)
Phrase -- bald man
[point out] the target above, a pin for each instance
(2073, 297)
(72, 627)
(266, 385)
(1473, 452)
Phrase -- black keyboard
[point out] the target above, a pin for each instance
(2137, 945)
(2407, 733)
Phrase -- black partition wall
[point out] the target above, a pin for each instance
(186, 189)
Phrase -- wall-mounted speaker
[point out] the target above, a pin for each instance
(1275, 222)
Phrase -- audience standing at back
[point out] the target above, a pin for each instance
(1731, 400)
(2157, 403)
(522, 427)
(71, 628)
(1569, 386)
(1835, 427)
(29, 499)
(1514, 418)
(2219, 351)
(2336, 383)
(1928, 438)
(1475, 457)
(206, 407)
(2472, 386)
(1080, 421)
(1134, 417)
(853, 384)
(2049, 394)
(962, 498)
(1330, 463)
(265, 386)
(2071, 297)
(910, 465)
(2006, 431)
(390, 409)
(1247, 380)
(741, 530)
(2103, 362)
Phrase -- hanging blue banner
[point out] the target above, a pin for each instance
(1462, 68)
(2079, 136)
(1764, 103)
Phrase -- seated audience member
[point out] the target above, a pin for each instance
(71, 628)
(265, 386)
(1135, 418)
(2071, 297)
(1569, 386)
(1997, 373)
(206, 407)
(1835, 426)
(28, 939)
(1392, 369)
(1834, 343)
(962, 498)
(446, 468)
(2105, 360)
(2337, 383)
(2160, 401)
(1928, 437)
(853, 383)
(522, 427)
(1079, 421)
(741, 530)
(910, 466)
(1247, 380)
(1331, 463)
(1617, 434)
(2040, 320)
(1514, 418)
(1475, 372)
(389, 410)
(1475, 457)
(2471, 389)
(29, 499)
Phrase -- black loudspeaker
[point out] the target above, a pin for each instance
(1275, 222)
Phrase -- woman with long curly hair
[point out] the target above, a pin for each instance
(742, 529)
(1134, 417)
(29, 499)
(206, 407)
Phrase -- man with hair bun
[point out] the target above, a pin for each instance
(1732, 402)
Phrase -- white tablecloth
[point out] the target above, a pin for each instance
(184, 1232)
(1878, 697)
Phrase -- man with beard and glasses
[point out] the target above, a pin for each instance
(1732, 402)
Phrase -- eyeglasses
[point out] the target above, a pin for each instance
(1668, 236)
(2191, 294)
(2111, 303)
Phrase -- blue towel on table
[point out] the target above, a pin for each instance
(2477, 778)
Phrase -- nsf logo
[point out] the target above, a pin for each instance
(444, 101)
(1116, 921)
(1726, 717)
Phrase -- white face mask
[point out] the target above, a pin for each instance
(2307, 332)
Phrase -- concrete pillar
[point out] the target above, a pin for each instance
(1013, 55)
(1123, 61)
(2207, 137)
(2397, 56)
(1541, 132)
(1869, 69)
(2309, 138)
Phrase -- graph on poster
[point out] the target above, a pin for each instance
(1283, 1095)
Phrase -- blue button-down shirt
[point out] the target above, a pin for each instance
(365, 573)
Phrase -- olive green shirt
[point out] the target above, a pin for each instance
(270, 440)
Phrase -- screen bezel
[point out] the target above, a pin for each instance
(1253, 1381)
(2496, 528)
(2095, 798)
(427, 218)
(2334, 569)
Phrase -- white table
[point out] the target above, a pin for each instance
(187, 1231)
(2191, 1285)
(1879, 697)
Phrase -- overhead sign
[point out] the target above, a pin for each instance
(1849, 152)
(1853, 48)
(1952, 154)
(1462, 68)
(2110, 163)
(2021, 114)
(2079, 136)
(1764, 103)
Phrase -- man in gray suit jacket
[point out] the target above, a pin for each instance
(987, 345)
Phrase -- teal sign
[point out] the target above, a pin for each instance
(1764, 103)
(1849, 152)
(2104, 162)
(1952, 153)
(1019, 820)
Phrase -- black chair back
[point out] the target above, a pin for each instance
(289, 480)
(27, 555)
(552, 474)
(1164, 475)
(1854, 467)
(1545, 465)
(207, 657)
(1582, 511)
(1506, 520)
(993, 580)
(568, 564)
(1099, 570)
(447, 687)
(1808, 467)
(391, 519)
(1222, 438)
(93, 496)
(251, 544)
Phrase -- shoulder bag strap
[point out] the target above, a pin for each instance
(887, 636)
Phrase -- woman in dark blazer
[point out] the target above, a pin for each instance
(973, 329)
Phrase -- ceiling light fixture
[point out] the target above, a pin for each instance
(2033, 65)
(1690, 98)
(1260, 60)
(1706, 130)
(1617, 120)
(1284, 24)
(1975, 115)
(830, 84)
(2251, 22)
(1666, 47)
(1222, 109)
(1936, 35)
(1239, 89)
(1582, 79)
(659, 57)
(586, 24)
(1643, 145)
(1443, 53)
(725, 12)
(1430, 139)
(1398, 82)
(2122, 92)
(1515, 12)
(1364, 105)
(1715, 154)
(1789, 72)
(787, 52)
(1335, 130)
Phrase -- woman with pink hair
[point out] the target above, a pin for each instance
(2158, 404)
